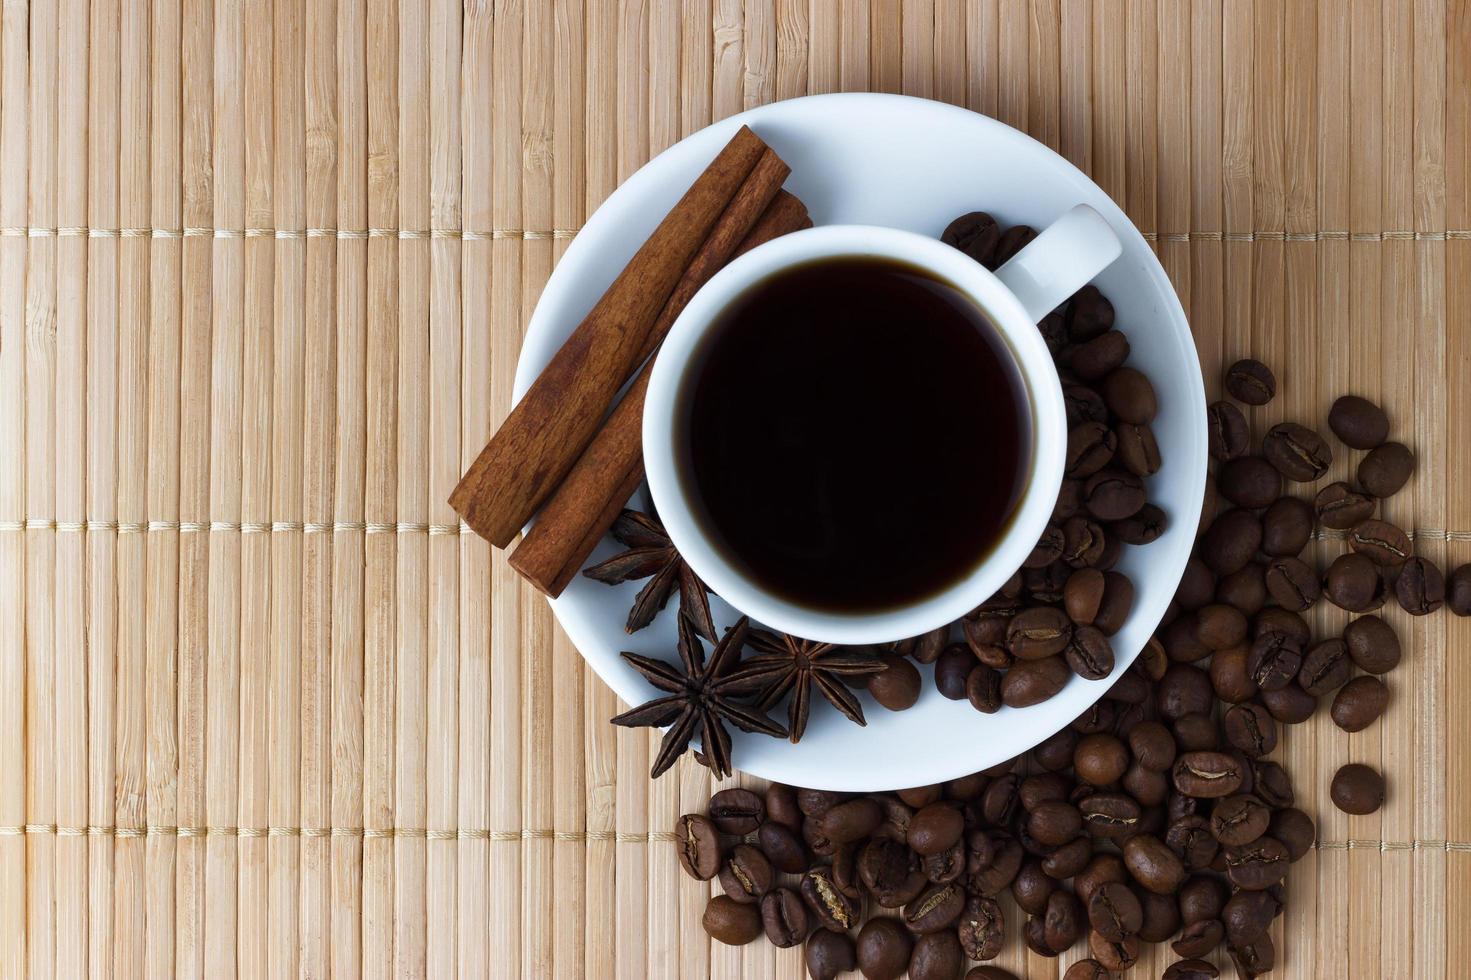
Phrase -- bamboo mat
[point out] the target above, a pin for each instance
(264, 269)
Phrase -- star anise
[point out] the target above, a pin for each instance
(702, 697)
(793, 664)
(651, 553)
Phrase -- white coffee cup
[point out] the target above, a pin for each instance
(1063, 258)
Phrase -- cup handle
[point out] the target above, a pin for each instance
(1060, 261)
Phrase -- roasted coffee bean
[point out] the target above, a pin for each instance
(1255, 958)
(829, 954)
(1249, 481)
(1201, 898)
(1191, 969)
(883, 947)
(1153, 661)
(1227, 430)
(1100, 759)
(736, 811)
(918, 796)
(1181, 642)
(1062, 923)
(1250, 381)
(1116, 956)
(1250, 728)
(1207, 775)
(1089, 653)
(999, 874)
(1148, 786)
(1231, 541)
(1152, 745)
(1093, 359)
(1100, 870)
(1045, 787)
(983, 689)
(1191, 839)
(1000, 800)
(845, 870)
(782, 848)
(1137, 449)
(1199, 938)
(1113, 494)
(1130, 688)
(834, 910)
(1068, 859)
(967, 787)
(784, 918)
(1386, 469)
(1197, 585)
(1097, 717)
(1041, 631)
(1257, 865)
(896, 818)
(1045, 584)
(1245, 588)
(981, 929)
(731, 922)
(853, 820)
(1230, 677)
(1297, 452)
(1290, 705)
(1118, 601)
(1144, 526)
(1161, 916)
(1420, 587)
(1292, 582)
(1032, 887)
(1295, 830)
(1239, 820)
(1047, 549)
(1083, 404)
(1287, 525)
(1195, 732)
(896, 687)
(976, 234)
(1381, 542)
(1033, 681)
(1356, 788)
(1275, 660)
(1184, 690)
(946, 866)
(1083, 542)
(1325, 667)
(1114, 912)
(1082, 595)
(927, 646)
(1130, 396)
(936, 908)
(1288, 624)
(1090, 447)
(1458, 590)
(1054, 822)
(936, 956)
(935, 828)
(1340, 506)
(781, 806)
(890, 871)
(1353, 582)
(1359, 703)
(1248, 915)
(816, 802)
(1056, 751)
(989, 973)
(816, 843)
(1180, 805)
(1358, 422)
(1220, 626)
(1087, 969)
(952, 670)
(700, 851)
(747, 874)
(1151, 863)
(1013, 240)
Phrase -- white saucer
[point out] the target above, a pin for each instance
(914, 164)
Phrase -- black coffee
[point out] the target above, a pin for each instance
(858, 434)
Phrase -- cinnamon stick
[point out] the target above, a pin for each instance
(542, 437)
(610, 469)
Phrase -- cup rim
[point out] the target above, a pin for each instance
(1040, 381)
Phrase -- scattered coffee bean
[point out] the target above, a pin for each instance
(1201, 898)
(981, 929)
(1274, 661)
(1293, 583)
(1381, 542)
(1231, 541)
(1087, 969)
(1358, 422)
(1151, 863)
(989, 973)
(1420, 587)
(1041, 631)
(1114, 912)
(1013, 240)
(1239, 820)
(833, 909)
(747, 874)
(1191, 969)
(829, 954)
(1295, 830)
(1290, 705)
(1109, 815)
(736, 811)
(1245, 588)
(1298, 452)
(1100, 759)
(1115, 956)
(1251, 382)
(1199, 938)
(1372, 644)
(1340, 506)
(1250, 728)
(1249, 481)
(952, 669)
(1090, 447)
(782, 847)
(1359, 703)
(1458, 590)
(1191, 839)
(1325, 667)
(1130, 396)
(1137, 449)
(935, 828)
(976, 234)
(1257, 865)
(731, 922)
(1197, 585)
(1356, 788)
(936, 956)
(784, 918)
(1286, 527)
(896, 687)
(1229, 675)
(983, 689)
(781, 806)
(700, 852)
(1227, 431)
(1220, 626)
(935, 908)
(1386, 469)
(1255, 958)
(1089, 653)
(1093, 359)
(1353, 583)
(883, 948)
(1207, 774)
(1082, 595)
(1184, 690)
(1033, 681)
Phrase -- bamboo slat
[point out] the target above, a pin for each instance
(266, 709)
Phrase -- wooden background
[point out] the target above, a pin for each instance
(265, 709)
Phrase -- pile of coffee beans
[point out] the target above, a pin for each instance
(1054, 617)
